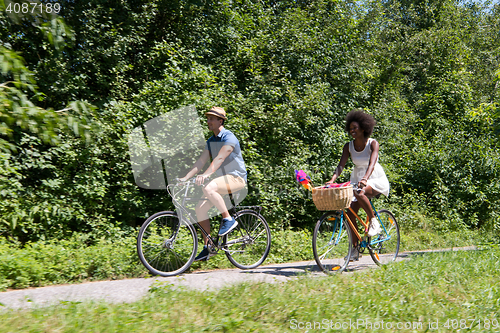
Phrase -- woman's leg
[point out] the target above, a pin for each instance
(355, 207)
(364, 201)
(363, 198)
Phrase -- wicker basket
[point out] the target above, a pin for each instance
(334, 198)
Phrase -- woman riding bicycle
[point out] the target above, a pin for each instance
(368, 173)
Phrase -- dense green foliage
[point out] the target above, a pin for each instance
(59, 262)
(22, 115)
(287, 72)
(441, 289)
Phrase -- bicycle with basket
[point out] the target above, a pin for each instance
(333, 234)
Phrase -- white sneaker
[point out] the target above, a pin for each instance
(374, 228)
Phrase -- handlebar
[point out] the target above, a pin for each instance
(180, 187)
(355, 187)
(191, 180)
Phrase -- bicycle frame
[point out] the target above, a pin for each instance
(186, 218)
(335, 236)
(365, 224)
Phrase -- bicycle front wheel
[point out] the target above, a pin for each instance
(331, 243)
(248, 245)
(384, 247)
(165, 246)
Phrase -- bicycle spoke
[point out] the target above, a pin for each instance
(331, 244)
(330, 249)
(385, 248)
(248, 244)
(164, 247)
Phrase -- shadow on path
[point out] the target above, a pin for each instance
(130, 290)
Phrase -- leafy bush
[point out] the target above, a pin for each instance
(67, 261)
(287, 74)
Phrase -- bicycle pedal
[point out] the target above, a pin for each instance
(212, 250)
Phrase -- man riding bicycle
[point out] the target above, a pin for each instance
(227, 163)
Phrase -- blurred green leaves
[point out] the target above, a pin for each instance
(286, 72)
(21, 115)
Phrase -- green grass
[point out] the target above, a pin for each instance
(69, 261)
(428, 239)
(288, 245)
(430, 288)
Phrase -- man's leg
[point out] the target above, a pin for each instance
(212, 194)
(214, 190)
(202, 214)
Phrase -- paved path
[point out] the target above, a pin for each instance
(131, 290)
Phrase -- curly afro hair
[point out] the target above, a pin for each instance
(366, 122)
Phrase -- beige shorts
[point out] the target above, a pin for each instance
(229, 184)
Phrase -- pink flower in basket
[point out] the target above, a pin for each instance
(337, 185)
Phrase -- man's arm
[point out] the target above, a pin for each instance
(198, 165)
(216, 163)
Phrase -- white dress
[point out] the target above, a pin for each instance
(378, 180)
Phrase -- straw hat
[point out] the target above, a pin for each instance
(217, 111)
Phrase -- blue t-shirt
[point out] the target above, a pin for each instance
(233, 164)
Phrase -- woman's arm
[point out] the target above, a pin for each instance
(341, 166)
(373, 160)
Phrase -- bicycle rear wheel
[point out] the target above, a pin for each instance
(248, 245)
(384, 247)
(165, 246)
(332, 243)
